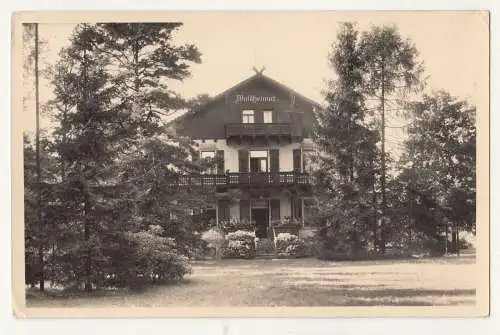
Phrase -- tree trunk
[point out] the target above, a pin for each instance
(38, 171)
(88, 264)
(382, 182)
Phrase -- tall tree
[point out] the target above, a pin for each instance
(390, 68)
(147, 60)
(347, 155)
(86, 140)
(31, 62)
(119, 162)
(439, 164)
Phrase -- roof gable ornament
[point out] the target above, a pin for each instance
(259, 71)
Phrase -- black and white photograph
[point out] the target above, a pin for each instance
(267, 162)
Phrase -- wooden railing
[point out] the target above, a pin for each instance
(245, 179)
(258, 129)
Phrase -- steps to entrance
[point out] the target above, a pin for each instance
(264, 248)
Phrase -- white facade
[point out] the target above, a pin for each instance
(231, 162)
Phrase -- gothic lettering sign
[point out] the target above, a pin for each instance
(241, 98)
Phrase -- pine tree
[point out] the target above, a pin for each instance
(346, 155)
(148, 60)
(86, 141)
(119, 161)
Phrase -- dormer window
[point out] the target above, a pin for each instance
(267, 116)
(247, 116)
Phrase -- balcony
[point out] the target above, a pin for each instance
(240, 130)
(247, 179)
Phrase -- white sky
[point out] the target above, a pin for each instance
(294, 47)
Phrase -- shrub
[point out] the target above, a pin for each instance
(288, 245)
(337, 244)
(240, 244)
(404, 244)
(155, 259)
(235, 224)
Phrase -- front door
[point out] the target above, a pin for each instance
(261, 218)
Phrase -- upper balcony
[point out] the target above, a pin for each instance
(254, 130)
(246, 180)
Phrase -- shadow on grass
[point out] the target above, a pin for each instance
(34, 294)
(370, 295)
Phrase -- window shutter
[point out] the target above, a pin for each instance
(274, 160)
(196, 157)
(244, 210)
(275, 209)
(219, 154)
(243, 159)
(259, 116)
(296, 160)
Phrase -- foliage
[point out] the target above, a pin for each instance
(235, 224)
(390, 70)
(408, 243)
(288, 245)
(240, 244)
(154, 258)
(347, 154)
(114, 182)
(148, 60)
(438, 166)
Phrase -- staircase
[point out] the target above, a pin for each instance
(264, 248)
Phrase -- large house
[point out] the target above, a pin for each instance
(258, 133)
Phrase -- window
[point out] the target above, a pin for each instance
(307, 161)
(207, 154)
(210, 156)
(258, 161)
(268, 116)
(247, 116)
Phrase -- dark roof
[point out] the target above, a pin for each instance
(257, 76)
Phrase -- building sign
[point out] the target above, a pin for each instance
(259, 203)
(240, 98)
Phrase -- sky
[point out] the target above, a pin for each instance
(293, 47)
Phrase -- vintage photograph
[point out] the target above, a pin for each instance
(253, 160)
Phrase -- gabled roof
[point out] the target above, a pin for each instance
(257, 76)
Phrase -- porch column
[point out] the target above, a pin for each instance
(269, 225)
(217, 244)
(250, 210)
(302, 210)
(217, 213)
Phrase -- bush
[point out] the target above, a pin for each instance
(418, 243)
(240, 244)
(235, 224)
(288, 245)
(337, 244)
(155, 259)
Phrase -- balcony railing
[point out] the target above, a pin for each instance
(258, 129)
(250, 179)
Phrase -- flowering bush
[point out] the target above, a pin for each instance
(240, 244)
(235, 224)
(155, 259)
(288, 245)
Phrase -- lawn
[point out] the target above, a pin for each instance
(301, 282)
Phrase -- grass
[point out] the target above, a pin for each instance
(298, 282)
